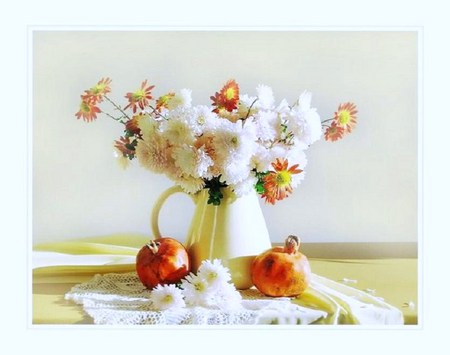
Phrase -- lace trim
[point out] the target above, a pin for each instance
(121, 299)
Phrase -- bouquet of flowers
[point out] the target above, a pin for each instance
(240, 141)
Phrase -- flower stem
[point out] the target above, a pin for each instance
(155, 112)
(114, 118)
(330, 119)
(117, 107)
(249, 109)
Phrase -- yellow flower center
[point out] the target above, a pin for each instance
(98, 89)
(85, 107)
(344, 117)
(283, 178)
(229, 94)
(201, 120)
(199, 286)
(138, 95)
(167, 299)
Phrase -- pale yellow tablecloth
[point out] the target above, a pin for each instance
(57, 267)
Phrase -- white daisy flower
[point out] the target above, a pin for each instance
(196, 291)
(214, 273)
(227, 297)
(166, 296)
(265, 97)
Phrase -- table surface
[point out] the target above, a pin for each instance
(395, 280)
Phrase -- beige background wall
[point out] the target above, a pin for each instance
(362, 189)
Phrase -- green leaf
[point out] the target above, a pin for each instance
(259, 186)
(214, 187)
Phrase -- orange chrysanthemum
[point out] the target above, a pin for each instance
(140, 98)
(227, 98)
(88, 111)
(277, 183)
(96, 93)
(334, 132)
(125, 146)
(345, 116)
(132, 126)
(163, 101)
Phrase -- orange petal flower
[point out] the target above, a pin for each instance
(88, 111)
(132, 126)
(125, 146)
(277, 183)
(96, 93)
(334, 132)
(140, 98)
(227, 98)
(163, 101)
(345, 116)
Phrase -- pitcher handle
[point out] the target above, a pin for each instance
(158, 205)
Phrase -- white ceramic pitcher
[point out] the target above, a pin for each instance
(234, 232)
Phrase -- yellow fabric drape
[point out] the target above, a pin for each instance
(70, 262)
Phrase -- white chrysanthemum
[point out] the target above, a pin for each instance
(196, 291)
(167, 296)
(246, 106)
(192, 161)
(177, 129)
(267, 125)
(154, 154)
(227, 298)
(245, 187)
(263, 160)
(203, 120)
(304, 121)
(181, 99)
(148, 126)
(246, 100)
(234, 140)
(304, 101)
(297, 156)
(215, 274)
(305, 125)
(235, 149)
(283, 108)
(265, 97)
(235, 170)
(314, 126)
(189, 184)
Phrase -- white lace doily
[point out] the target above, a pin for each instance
(121, 299)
